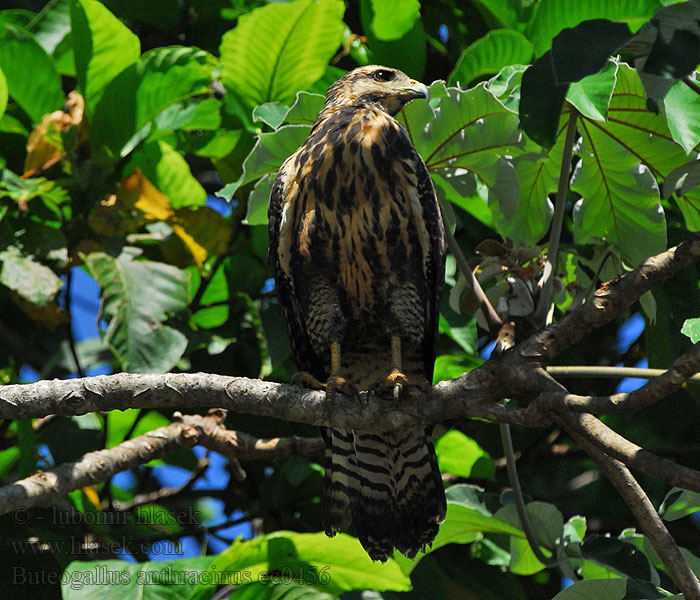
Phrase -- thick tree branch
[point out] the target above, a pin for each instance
(649, 520)
(471, 395)
(618, 447)
(43, 488)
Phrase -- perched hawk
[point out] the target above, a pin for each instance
(357, 249)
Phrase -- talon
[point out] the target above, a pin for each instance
(307, 380)
(399, 384)
(338, 383)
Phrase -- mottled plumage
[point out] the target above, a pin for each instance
(357, 249)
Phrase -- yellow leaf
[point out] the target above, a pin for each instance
(92, 495)
(45, 145)
(203, 230)
(139, 193)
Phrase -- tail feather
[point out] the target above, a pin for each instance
(387, 485)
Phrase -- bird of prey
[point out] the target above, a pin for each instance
(358, 253)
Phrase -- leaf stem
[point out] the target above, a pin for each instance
(555, 235)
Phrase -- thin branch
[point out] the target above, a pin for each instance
(550, 269)
(649, 520)
(514, 480)
(43, 488)
(684, 368)
(602, 372)
(490, 314)
(71, 338)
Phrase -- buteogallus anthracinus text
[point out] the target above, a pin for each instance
(357, 248)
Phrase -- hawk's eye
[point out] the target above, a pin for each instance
(383, 75)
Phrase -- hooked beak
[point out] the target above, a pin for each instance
(416, 89)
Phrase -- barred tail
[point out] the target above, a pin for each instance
(387, 485)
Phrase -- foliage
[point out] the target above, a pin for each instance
(135, 113)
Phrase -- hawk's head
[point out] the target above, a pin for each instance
(387, 88)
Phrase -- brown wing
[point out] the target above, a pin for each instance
(434, 267)
(285, 280)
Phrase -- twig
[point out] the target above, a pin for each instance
(691, 84)
(71, 338)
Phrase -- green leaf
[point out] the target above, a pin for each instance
(683, 115)
(119, 422)
(611, 589)
(145, 581)
(470, 131)
(270, 113)
(256, 212)
(546, 520)
(332, 565)
(4, 93)
(270, 151)
(165, 168)
(33, 281)
(104, 47)
(489, 54)
(407, 52)
(278, 590)
(392, 19)
(682, 180)
(217, 292)
(591, 96)
(52, 25)
(462, 456)
(162, 78)
(137, 297)
(620, 556)
(691, 328)
(305, 109)
(541, 101)
(538, 175)
(647, 138)
(680, 503)
(600, 37)
(467, 518)
(449, 366)
(21, 54)
(279, 49)
(551, 16)
(620, 198)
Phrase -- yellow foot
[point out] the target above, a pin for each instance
(335, 383)
(307, 380)
(398, 384)
(338, 383)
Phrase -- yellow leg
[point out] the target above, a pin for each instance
(397, 381)
(335, 358)
(396, 353)
(336, 382)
